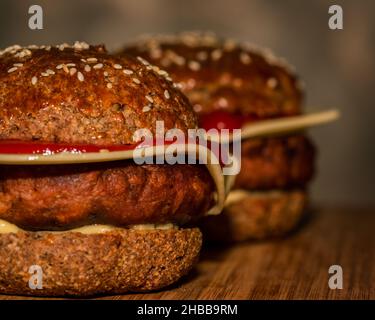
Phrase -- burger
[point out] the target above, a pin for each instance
(232, 85)
(99, 224)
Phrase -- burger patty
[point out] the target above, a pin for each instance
(276, 163)
(119, 193)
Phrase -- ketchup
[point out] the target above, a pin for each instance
(224, 120)
(215, 120)
(37, 147)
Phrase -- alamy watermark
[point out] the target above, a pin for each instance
(335, 281)
(198, 146)
(336, 20)
(36, 279)
(36, 18)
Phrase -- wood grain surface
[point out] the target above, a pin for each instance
(292, 268)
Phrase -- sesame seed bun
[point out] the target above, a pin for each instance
(81, 94)
(114, 262)
(223, 74)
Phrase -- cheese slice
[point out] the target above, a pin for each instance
(6, 227)
(282, 126)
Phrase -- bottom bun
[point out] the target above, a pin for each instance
(256, 215)
(114, 262)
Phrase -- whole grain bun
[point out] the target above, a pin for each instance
(256, 215)
(114, 262)
(222, 74)
(81, 94)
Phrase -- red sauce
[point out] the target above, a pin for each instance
(37, 147)
(217, 120)
(224, 120)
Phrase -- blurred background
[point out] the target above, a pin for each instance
(337, 66)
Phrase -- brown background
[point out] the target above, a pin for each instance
(337, 66)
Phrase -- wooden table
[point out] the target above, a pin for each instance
(293, 268)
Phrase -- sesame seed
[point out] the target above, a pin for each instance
(98, 66)
(65, 68)
(194, 65)
(117, 66)
(149, 98)
(105, 73)
(179, 60)
(216, 54)
(80, 76)
(60, 66)
(197, 108)
(155, 53)
(137, 81)
(146, 109)
(92, 60)
(72, 71)
(230, 45)
(70, 64)
(272, 82)
(128, 71)
(169, 79)
(83, 60)
(178, 85)
(162, 73)
(143, 61)
(49, 71)
(166, 94)
(222, 102)
(202, 55)
(12, 69)
(77, 46)
(109, 85)
(87, 68)
(44, 74)
(17, 64)
(80, 45)
(245, 58)
(34, 80)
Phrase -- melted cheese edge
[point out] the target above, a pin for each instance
(7, 227)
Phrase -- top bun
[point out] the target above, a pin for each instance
(222, 74)
(81, 94)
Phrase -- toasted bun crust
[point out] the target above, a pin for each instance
(257, 216)
(222, 74)
(82, 265)
(81, 94)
